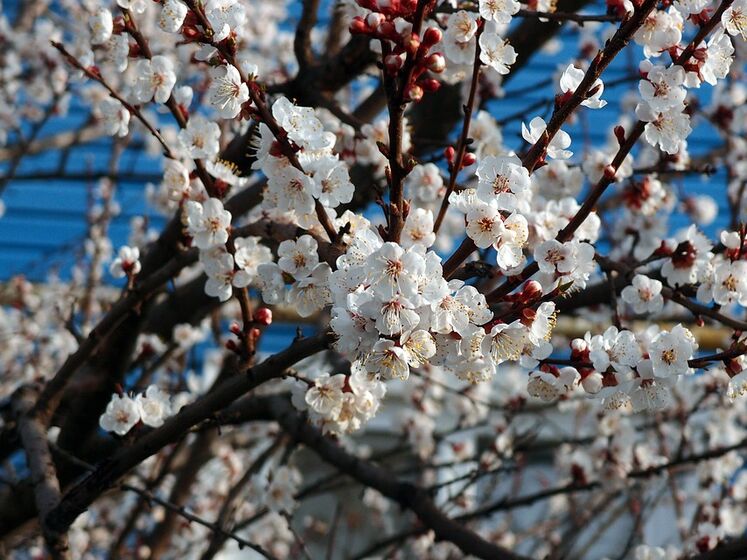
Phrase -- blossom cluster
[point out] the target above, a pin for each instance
(341, 403)
(545, 290)
(152, 408)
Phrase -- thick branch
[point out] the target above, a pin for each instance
(77, 500)
(33, 434)
(407, 495)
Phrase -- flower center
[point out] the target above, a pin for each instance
(668, 356)
(501, 184)
(393, 268)
(730, 283)
(485, 224)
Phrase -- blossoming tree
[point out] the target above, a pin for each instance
(507, 347)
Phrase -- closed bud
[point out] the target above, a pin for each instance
(532, 290)
(430, 84)
(392, 63)
(192, 33)
(374, 20)
(609, 172)
(386, 29)
(358, 26)
(413, 43)
(468, 159)
(414, 93)
(435, 63)
(449, 155)
(733, 367)
(432, 36)
(592, 383)
(527, 316)
(263, 316)
(620, 134)
(663, 250)
(235, 329)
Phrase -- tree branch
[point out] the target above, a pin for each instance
(77, 500)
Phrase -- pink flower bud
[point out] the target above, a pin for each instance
(436, 63)
(609, 172)
(532, 290)
(468, 159)
(358, 26)
(414, 93)
(263, 316)
(432, 36)
(449, 154)
(392, 63)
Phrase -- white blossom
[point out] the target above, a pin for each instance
(207, 223)
(127, 262)
(643, 295)
(121, 414)
(496, 52)
(155, 78)
(154, 406)
(227, 92)
(671, 350)
(556, 148)
(200, 138)
(172, 16)
(571, 79)
(499, 11)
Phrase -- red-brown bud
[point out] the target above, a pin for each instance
(620, 134)
(435, 63)
(393, 63)
(532, 290)
(358, 26)
(432, 36)
(387, 29)
(430, 85)
(733, 367)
